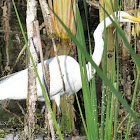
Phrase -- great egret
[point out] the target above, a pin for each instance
(15, 86)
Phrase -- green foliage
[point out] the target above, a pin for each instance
(43, 90)
(89, 95)
(82, 55)
(89, 92)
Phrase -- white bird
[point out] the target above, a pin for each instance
(15, 86)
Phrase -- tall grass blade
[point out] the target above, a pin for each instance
(104, 87)
(132, 105)
(99, 71)
(117, 87)
(93, 101)
(86, 15)
(85, 86)
(109, 93)
(84, 124)
(43, 91)
(112, 101)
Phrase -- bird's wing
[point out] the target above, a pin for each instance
(2, 79)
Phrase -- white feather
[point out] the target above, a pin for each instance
(15, 86)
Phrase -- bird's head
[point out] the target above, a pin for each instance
(125, 17)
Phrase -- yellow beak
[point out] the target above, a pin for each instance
(132, 18)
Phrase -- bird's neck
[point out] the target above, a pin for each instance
(99, 47)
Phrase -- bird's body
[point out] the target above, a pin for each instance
(18, 82)
(16, 86)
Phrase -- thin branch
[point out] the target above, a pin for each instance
(4, 106)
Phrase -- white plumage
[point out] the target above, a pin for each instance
(15, 86)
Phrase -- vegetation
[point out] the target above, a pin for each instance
(109, 124)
